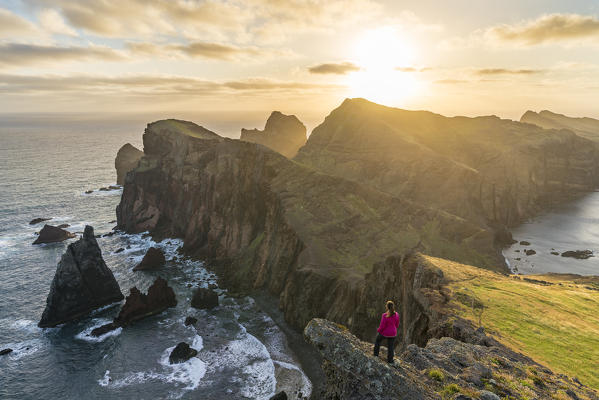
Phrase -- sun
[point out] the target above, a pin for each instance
(383, 55)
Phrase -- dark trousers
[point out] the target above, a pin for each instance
(390, 343)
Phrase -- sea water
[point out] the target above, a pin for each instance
(572, 226)
(46, 166)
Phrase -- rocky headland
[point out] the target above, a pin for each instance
(126, 159)
(82, 283)
(282, 133)
(585, 127)
(339, 229)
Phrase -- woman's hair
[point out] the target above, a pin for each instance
(390, 307)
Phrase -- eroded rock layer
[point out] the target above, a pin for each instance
(310, 238)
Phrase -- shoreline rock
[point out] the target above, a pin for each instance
(578, 254)
(82, 283)
(38, 220)
(181, 353)
(204, 299)
(137, 305)
(53, 234)
(153, 259)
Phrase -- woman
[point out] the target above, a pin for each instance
(387, 330)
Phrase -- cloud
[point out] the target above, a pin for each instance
(17, 54)
(215, 51)
(334, 68)
(12, 24)
(412, 69)
(553, 28)
(146, 84)
(134, 18)
(507, 71)
(51, 21)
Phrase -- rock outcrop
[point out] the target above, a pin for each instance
(282, 133)
(490, 171)
(204, 298)
(443, 368)
(126, 159)
(5, 351)
(153, 259)
(579, 254)
(53, 234)
(309, 238)
(181, 353)
(82, 283)
(38, 220)
(585, 127)
(138, 305)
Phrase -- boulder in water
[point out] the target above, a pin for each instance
(38, 220)
(530, 252)
(190, 321)
(5, 351)
(51, 234)
(82, 283)
(104, 329)
(578, 254)
(181, 353)
(204, 298)
(126, 159)
(153, 259)
(138, 305)
(62, 226)
(524, 243)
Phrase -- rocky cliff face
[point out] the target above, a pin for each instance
(307, 237)
(585, 127)
(81, 284)
(492, 172)
(445, 368)
(126, 159)
(282, 133)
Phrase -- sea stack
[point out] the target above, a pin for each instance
(52, 234)
(126, 159)
(82, 283)
(282, 133)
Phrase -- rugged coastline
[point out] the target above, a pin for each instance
(287, 227)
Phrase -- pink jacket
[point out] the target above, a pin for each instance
(389, 325)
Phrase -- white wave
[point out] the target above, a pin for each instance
(26, 325)
(23, 349)
(188, 373)
(96, 323)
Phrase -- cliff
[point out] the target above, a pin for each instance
(585, 127)
(311, 239)
(126, 159)
(444, 369)
(282, 133)
(490, 171)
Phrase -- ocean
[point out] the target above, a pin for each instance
(572, 226)
(46, 166)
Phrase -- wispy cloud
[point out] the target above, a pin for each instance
(149, 84)
(334, 68)
(12, 24)
(552, 28)
(17, 54)
(507, 71)
(215, 51)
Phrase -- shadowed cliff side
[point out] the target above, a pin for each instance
(282, 133)
(492, 172)
(310, 238)
(585, 127)
(126, 159)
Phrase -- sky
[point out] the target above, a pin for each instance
(301, 57)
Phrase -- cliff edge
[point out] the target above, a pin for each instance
(282, 133)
